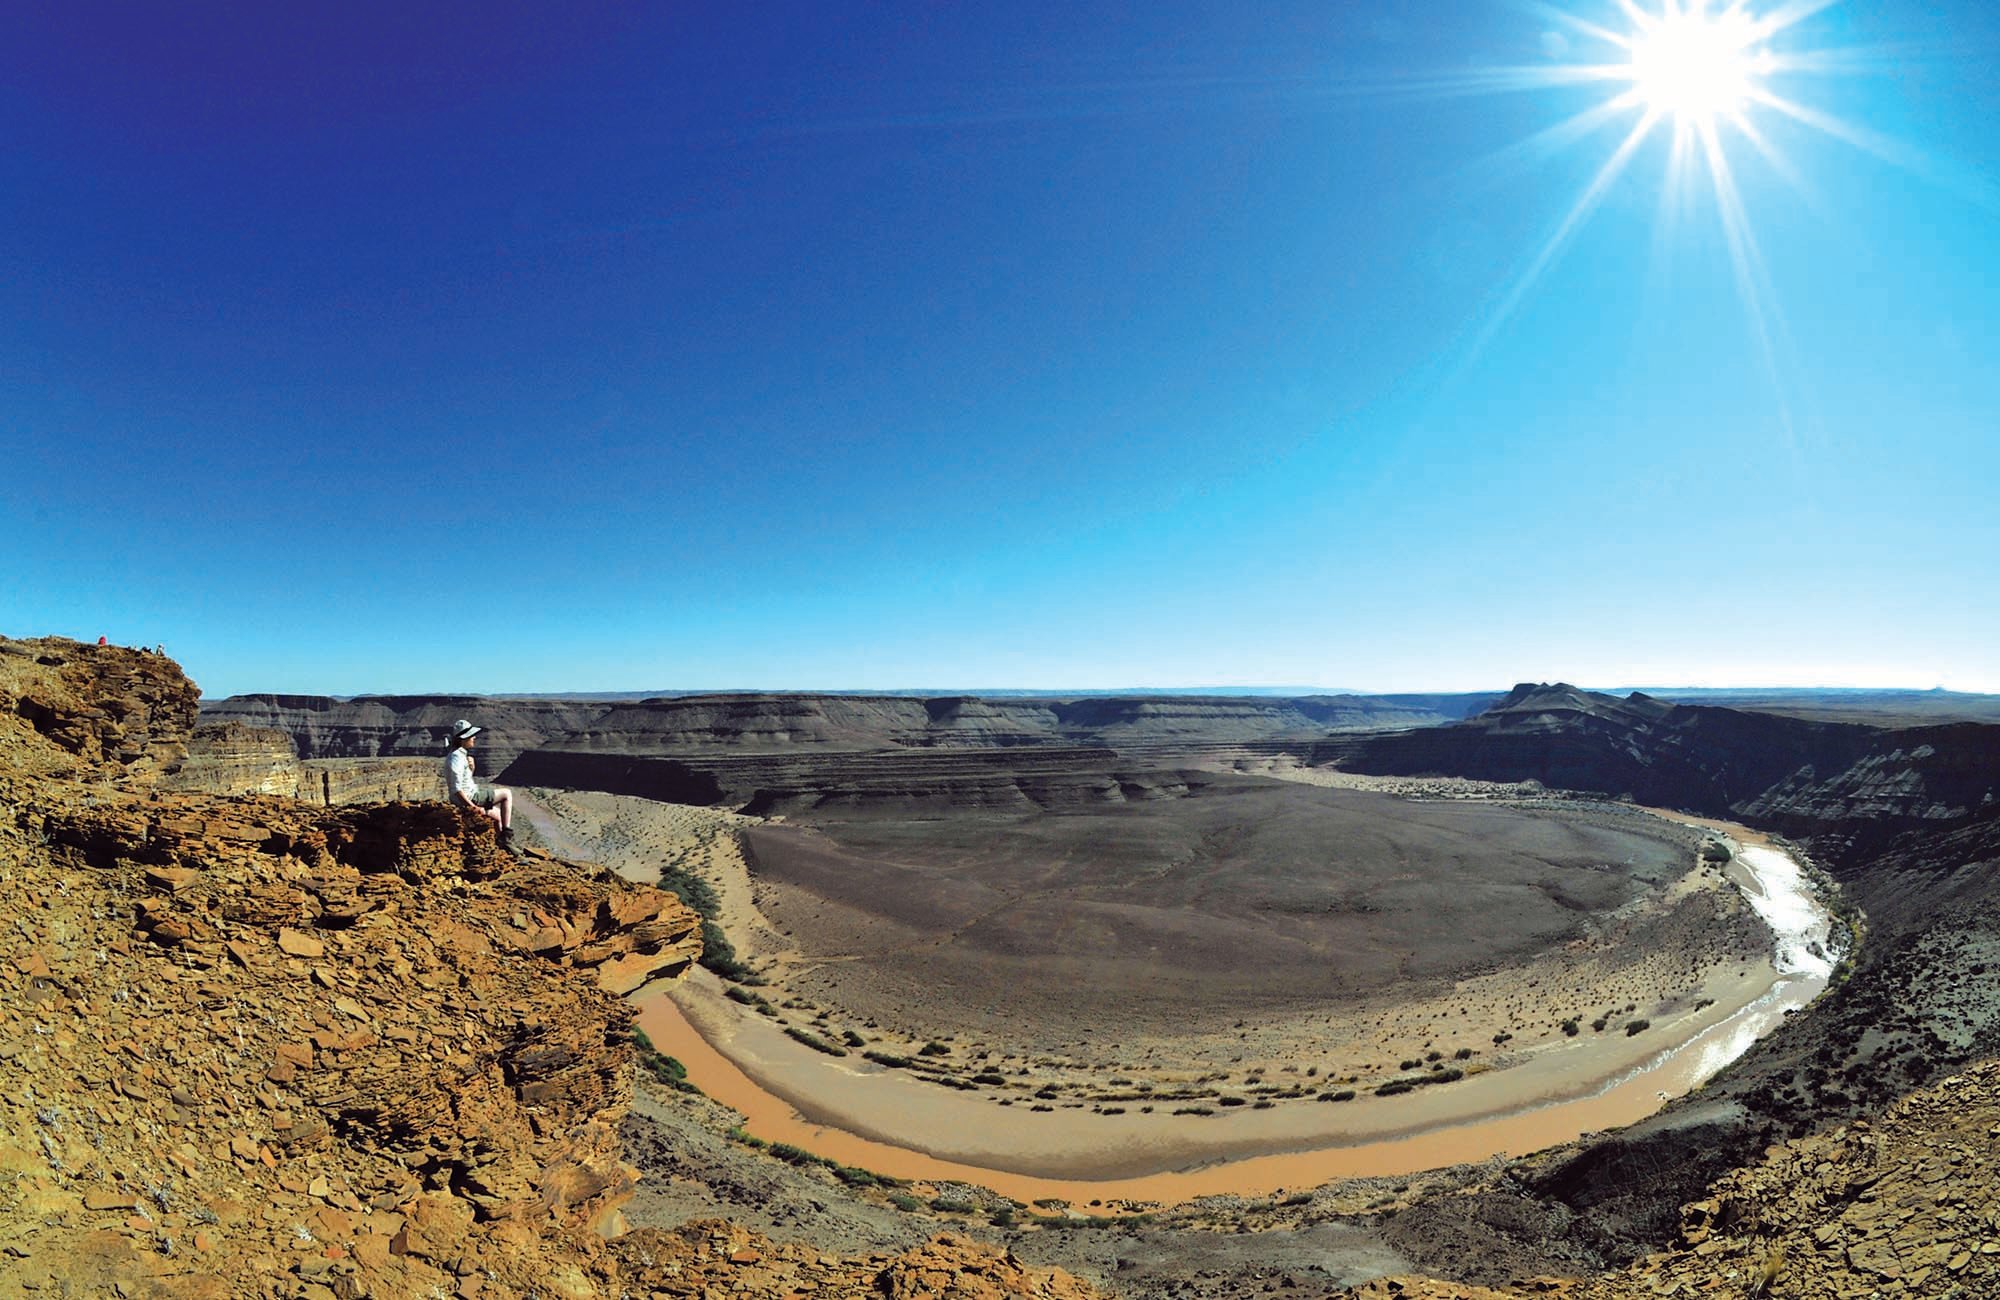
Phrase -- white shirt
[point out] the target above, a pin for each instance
(458, 773)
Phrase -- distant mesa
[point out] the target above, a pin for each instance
(771, 749)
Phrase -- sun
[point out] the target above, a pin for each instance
(1701, 72)
(1694, 66)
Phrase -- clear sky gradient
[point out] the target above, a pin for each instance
(507, 346)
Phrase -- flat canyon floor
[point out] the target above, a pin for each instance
(1234, 957)
(1181, 918)
(1661, 930)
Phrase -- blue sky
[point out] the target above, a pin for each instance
(1043, 346)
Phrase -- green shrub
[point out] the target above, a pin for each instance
(1395, 1088)
(814, 1041)
(1345, 1094)
(934, 1049)
(904, 1202)
(949, 1205)
(1637, 1026)
(792, 1155)
(663, 1068)
(717, 953)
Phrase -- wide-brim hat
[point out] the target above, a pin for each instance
(463, 730)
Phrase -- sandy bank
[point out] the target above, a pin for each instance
(1151, 1158)
(1550, 1087)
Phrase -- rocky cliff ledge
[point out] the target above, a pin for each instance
(253, 1047)
(1900, 1207)
(95, 712)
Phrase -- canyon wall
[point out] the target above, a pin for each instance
(236, 758)
(855, 723)
(713, 725)
(1851, 789)
(404, 726)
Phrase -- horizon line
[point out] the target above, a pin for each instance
(1280, 691)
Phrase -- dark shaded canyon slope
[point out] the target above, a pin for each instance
(1907, 820)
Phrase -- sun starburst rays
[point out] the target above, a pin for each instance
(1700, 71)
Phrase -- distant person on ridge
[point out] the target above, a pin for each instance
(492, 801)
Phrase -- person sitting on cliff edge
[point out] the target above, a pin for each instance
(492, 801)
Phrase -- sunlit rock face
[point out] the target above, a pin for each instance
(366, 1029)
(235, 758)
(109, 712)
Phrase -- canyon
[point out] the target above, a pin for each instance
(264, 1039)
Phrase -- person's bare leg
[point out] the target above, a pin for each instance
(503, 808)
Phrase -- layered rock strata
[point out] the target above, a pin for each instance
(708, 727)
(236, 758)
(405, 726)
(1851, 788)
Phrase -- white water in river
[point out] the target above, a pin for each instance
(1780, 894)
(1778, 891)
